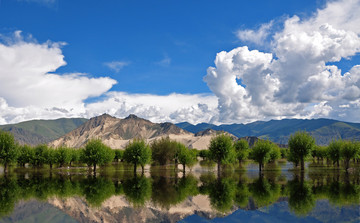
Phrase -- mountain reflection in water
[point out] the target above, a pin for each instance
(163, 196)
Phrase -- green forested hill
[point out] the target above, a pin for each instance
(324, 130)
(42, 131)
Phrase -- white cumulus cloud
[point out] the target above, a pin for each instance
(295, 78)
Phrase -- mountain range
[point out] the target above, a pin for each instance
(117, 132)
(279, 131)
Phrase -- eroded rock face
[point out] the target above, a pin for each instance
(116, 133)
(118, 209)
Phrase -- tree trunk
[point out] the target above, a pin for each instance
(184, 169)
(260, 165)
(219, 168)
(5, 167)
(176, 164)
(142, 169)
(134, 167)
(94, 168)
(347, 164)
(302, 164)
(51, 165)
(337, 163)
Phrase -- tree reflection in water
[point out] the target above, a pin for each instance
(226, 192)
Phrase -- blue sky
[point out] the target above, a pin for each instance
(161, 50)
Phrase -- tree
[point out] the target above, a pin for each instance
(96, 153)
(137, 152)
(186, 157)
(260, 153)
(348, 151)
(301, 144)
(50, 156)
(75, 155)
(8, 149)
(137, 190)
(119, 155)
(242, 149)
(63, 156)
(163, 150)
(334, 151)
(39, 156)
(275, 153)
(25, 154)
(222, 150)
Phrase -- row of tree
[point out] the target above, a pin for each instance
(165, 191)
(222, 150)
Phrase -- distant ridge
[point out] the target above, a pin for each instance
(42, 131)
(324, 130)
(117, 132)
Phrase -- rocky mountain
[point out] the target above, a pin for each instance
(42, 131)
(116, 132)
(279, 131)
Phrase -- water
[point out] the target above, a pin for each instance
(161, 194)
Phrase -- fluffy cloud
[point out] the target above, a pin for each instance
(295, 79)
(255, 36)
(29, 89)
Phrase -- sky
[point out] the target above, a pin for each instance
(173, 61)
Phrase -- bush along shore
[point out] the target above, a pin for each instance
(222, 150)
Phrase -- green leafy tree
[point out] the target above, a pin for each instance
(347, 152)
(260, 153)
(334, 151)
(119, 155)
(186, 157)
(137, 152)
(242, 149)
(8, 149)
(222, 150)
(275, 153)
(263, 192)
(40, 155)
(75, 155)
(96, 153)
(64, 156)
(301, 144)
(50, 156)
(204, 154)
(25, 154)
(163, 150)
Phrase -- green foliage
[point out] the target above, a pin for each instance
(25, 154)
(64, 156)
(137, 190)
(242, 149)
(186, 156)
(75, 155)
(348, 151)
(284, 152)
(50, 156)
(221, 149)
(119, 155)
(137, 152)
(96, 153)
(40, 155)
(204, 154)
(334, 151)
(9, 193)
(275, 153)
(300, 144)
(260, 153)
(163, 150)
(8, 149)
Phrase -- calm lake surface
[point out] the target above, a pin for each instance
(238, 194)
